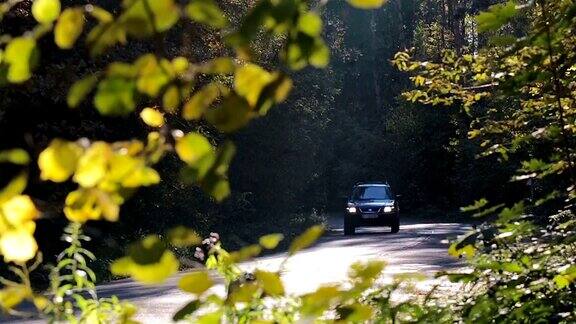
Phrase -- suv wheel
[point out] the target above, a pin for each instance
(395, 227)
(349, 227)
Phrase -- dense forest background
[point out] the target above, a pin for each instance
(341, 125)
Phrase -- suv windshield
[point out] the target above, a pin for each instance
(371, 193)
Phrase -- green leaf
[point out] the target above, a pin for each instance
(103, 36)
(271, 241)
(320, 56)
(310, 23)
(514, 267)
(69, 27)
(270, 282)
(80, 89)
(219, 65)
(188, 309)
(468, 250)
(306, 239)
(478, 204)
(316, 303)
(201, 100)
(215, 183)
(367, 271)
(196, 282)
(15, 156)
(233, 114)
(275, 92)
(206, 12)
(367, 4)
(145, 17)
(115, 97)
(510, 214)
(153, 75)
(22, 55)
(496, 16)
(45, 11)
(561, 281)
(171, 99)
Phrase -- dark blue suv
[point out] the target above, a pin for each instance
(371, 204)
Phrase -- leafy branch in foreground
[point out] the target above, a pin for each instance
(219, 93)
(520, 97)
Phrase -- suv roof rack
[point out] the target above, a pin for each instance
(372, 182)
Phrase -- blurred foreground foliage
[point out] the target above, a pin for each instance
(519, 93)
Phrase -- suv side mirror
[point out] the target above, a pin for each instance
(398, 196)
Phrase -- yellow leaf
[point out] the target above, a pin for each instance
(21, 54)
(196, 282)
(244, 293)
(367, 4)
(92, 166)
(152, 117)
(249, 81)
(358, 313)
(152, 273)
(180, 64)
(58, 161)
(245, 253)
(141, 176)
(19, 209)
(18, 245)
(183, 237)
(367, 271)
(210, 318)
(81, 206)
(69, 27)
(271, 241)
(15, 187)
(12, 296)
(317, 302)
(108, 207)
(45, 11)
(193, 147)
(306, 239)
(270, 282)
(16, 156)
(310, 23)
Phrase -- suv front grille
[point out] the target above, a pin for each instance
(369, 210)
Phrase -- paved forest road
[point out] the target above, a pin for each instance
(417, 248)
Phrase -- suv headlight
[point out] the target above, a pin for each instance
(351, 209)
(388, 209)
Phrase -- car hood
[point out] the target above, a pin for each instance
(374, 203)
